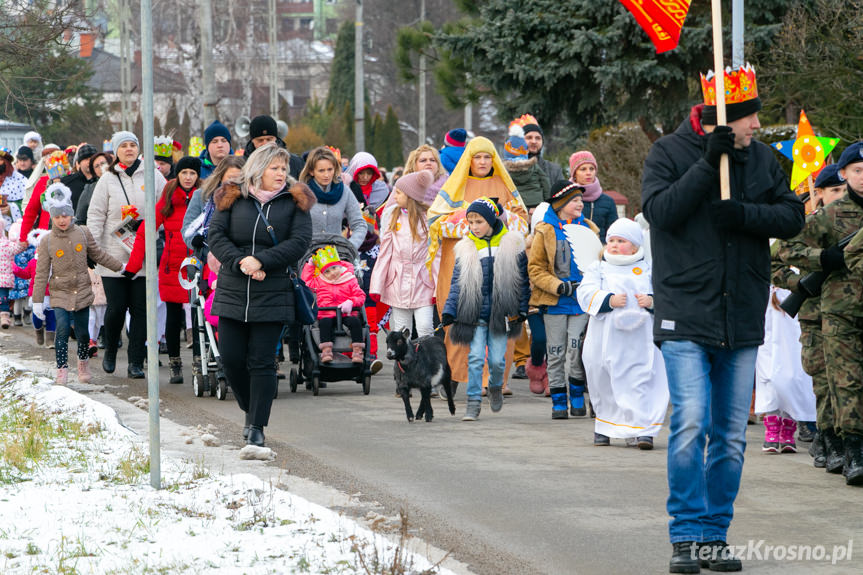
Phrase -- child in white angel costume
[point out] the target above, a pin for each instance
(628, 385)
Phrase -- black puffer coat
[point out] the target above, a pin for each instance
(237, 230)
(711, 286)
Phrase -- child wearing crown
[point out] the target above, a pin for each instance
(62, 265)
(335, 286)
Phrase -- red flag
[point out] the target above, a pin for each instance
(661, 19)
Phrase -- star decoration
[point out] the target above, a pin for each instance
(807, 151)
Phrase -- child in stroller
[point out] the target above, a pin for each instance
(335, 285)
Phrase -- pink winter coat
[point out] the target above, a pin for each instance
(208, 303)
(400, 277)
(8, 250)
(333, 294)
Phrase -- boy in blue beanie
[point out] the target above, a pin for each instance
(217, 147)
(488, 298)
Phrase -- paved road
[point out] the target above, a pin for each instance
(515, 492)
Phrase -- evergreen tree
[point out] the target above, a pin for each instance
(393, 153)
(342, 69)
(379, 150)
(584, 63)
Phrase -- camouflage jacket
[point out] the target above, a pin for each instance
(842, 291)
(785, 276)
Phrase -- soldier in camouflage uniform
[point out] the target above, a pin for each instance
(809, 317)
(842, 310)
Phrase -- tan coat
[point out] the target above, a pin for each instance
(62, 264)
(540, 264)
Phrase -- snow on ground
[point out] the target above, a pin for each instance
(83, 504)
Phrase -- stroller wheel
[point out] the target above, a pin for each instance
(214, 383)
(316, 384)
(367, 384)
(198, 384)
(293, 380)
(222, 389)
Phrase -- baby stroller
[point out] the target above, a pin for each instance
(207, 376)
(308, 368)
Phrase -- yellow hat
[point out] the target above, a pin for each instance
(326, 257)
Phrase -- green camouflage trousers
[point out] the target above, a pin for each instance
(812, 356)
(843, 354)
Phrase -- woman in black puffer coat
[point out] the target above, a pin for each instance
(254, 296)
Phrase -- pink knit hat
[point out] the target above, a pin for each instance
(417, 186)
(579, 158)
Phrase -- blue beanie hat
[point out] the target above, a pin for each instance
(456, 138)
(485, 207)
(829, 177)
(851, 155)
(215, 130)
(515, 149)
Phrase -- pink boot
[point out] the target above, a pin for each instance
(358, 352)
(62, 375)
(84, 375)
(772, 429)
(786, 436)
(537, 376)
(326, 352)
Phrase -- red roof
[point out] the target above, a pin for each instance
(618, 198)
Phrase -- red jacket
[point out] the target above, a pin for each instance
(175, 249)
(329, 294)
(34, 215)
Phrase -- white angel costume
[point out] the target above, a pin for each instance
(625, 370)
(780, 382)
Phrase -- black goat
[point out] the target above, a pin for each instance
(420, 364)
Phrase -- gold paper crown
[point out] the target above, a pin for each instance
(523, 121)
(336, 151)
(196, 146)
(740, 86)
(163, 146)
(326, 257)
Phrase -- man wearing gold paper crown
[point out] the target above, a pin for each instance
(711, 273)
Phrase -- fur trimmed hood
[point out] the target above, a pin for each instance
(521, 165)
(225, 196)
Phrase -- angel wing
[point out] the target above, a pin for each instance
(586, 247)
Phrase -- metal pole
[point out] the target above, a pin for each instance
(125, 77)
(421, 88)
(274, 93)
(207, 71)
(468, 117)
(150, 223)
(737, 34)
(359, 99)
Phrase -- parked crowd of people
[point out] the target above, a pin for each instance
(526, 272)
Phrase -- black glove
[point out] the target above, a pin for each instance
(727, 214)
(720, 141)
(198, 241)
(522, 317)
(567, 288)
(128, 275)
(137, 224)
(447, 319)
(833, 259)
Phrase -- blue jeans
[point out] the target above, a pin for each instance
(711, 390)
(496, 344)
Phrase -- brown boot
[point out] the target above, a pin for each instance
(84, 375)
(358, 356)
(326, 352)
(40, 336)
(49, 339)
(5, 319)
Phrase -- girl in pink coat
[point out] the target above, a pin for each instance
(400, 278)
(335, 285)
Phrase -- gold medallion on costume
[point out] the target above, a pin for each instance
(78, 247)
(637, 271)
(60, 253)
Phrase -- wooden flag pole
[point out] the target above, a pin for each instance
(719, 75)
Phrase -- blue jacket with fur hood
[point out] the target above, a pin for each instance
(489, 283)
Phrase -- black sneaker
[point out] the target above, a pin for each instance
(684, 558)
(495, 398)
(645, 443)
(805, 431)
(718, 556)
(601, 440)
(134, 371)
(519, 373)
